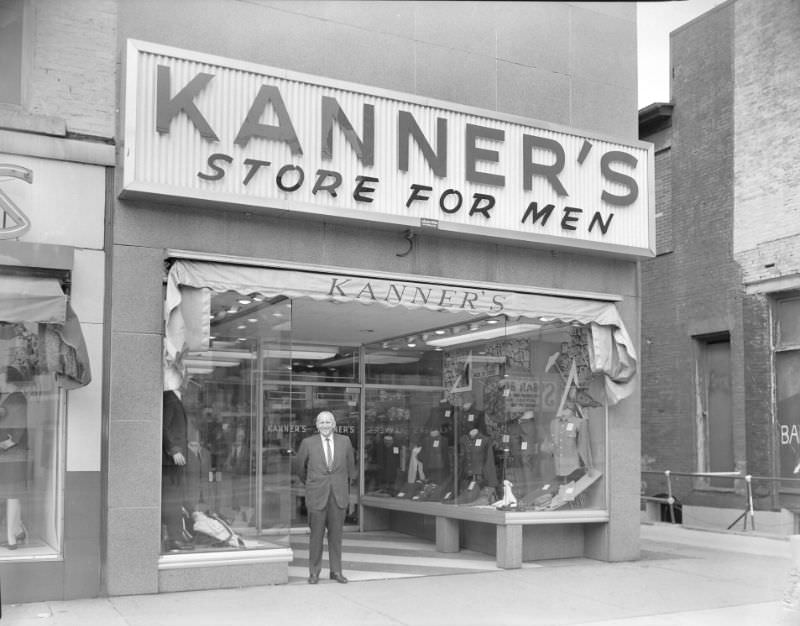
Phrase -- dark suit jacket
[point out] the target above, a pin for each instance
(320, 482)
(173, 428)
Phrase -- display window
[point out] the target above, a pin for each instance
(512, 418)
(500, 407)
(42, 354)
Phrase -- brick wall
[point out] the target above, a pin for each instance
(767, 196)
(695, 289)
(758, 382)
(71, 81)
(767, 168)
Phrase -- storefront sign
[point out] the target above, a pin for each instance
(212, 130)
(15, 222)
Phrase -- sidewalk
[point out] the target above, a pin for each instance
(684, 577)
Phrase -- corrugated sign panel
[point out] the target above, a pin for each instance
(512, 179)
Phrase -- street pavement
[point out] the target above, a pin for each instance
(684, 577)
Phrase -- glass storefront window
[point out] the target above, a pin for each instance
(232, 491)
(247, 402)
(30, 445)
(495, 411)
(513, 418)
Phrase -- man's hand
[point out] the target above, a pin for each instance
(179, 459)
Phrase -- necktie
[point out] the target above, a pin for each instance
(328, 455)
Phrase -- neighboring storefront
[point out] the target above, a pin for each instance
(52, 198)
(457, 285)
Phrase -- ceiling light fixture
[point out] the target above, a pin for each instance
(231, 355)
(307, 353)
(209, 363)
(489, 333)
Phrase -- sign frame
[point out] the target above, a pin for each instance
(137, 185)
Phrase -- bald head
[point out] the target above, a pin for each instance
(326, 422)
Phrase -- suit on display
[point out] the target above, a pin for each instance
(525, 451)
(569, 443)
(173, 469)
(326, 465)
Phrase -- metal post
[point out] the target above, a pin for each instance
(670, 499)
(748, 480)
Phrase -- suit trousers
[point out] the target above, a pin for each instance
(173, 495)
(332, 518)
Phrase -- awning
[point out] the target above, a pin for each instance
(32, 299)
(190, 284)
(40, 332)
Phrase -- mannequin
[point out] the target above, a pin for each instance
(173, 470)
(14, 463)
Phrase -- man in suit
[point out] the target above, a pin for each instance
(326, 466)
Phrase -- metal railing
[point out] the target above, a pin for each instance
(749, 509)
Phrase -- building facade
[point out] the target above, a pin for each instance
(411, 214)
(57, 155)
(721, 398)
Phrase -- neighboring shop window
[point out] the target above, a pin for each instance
(11, 46)
(42, 353)
(787, 379)
(30, 436)
(511, 417)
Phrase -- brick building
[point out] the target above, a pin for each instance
(720, 307)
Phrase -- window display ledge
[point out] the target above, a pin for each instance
(218, 559)
(488, 514)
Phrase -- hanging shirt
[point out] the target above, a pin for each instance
(570, 439)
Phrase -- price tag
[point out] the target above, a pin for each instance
(506, 438)
(436, 443)
(506, 393)
(570, 427)
(447, 413)
(478, 443)
(524, 445)
(471, 417)
(396, 450)
(211, 477)
(471, 485)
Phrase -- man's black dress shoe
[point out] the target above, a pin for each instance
(313, 579)
(338, 578)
